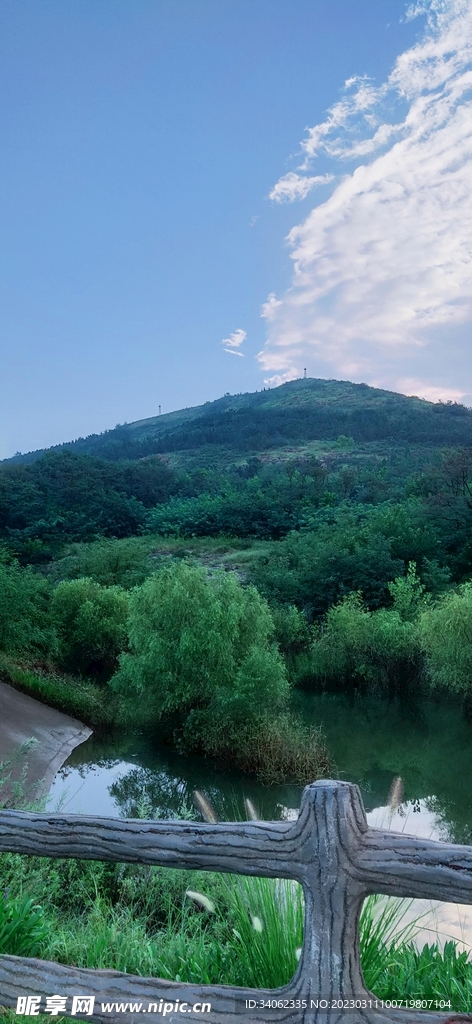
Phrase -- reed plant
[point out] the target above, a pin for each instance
(284, 748)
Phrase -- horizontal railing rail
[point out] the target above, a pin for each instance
(329, 849)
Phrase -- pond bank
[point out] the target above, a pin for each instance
(56, 735)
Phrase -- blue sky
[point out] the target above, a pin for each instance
(193, 202)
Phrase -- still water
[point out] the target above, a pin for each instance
(370, 740)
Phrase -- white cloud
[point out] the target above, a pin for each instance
(431, 392)
(359, 102)
(383, 268)
(234, 341)
(270, 307)
(282, 378)
(295, 186)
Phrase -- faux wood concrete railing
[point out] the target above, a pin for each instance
(329, 849)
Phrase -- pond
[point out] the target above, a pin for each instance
(371, 741)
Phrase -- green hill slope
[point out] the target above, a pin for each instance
(293, 414)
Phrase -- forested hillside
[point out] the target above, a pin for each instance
(298, 458)
(293, 414)
(317, 535)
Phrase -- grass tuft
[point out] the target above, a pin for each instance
(285, 749)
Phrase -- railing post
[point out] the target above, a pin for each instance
(334, 820)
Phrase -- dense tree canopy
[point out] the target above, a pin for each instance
(64, 497)
(202, 648)
(91, 626)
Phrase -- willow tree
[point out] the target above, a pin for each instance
(202, 650)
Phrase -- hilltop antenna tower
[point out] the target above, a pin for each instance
(159, 410)
(304, 373)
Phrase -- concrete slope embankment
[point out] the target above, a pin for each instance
(22, 718)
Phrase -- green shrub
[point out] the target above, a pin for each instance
(91, 624)
(203, 655)
(294, 638)
(446, 637)
(109, 561)
(315, 570)
(202, 649)
(24, 611)
(292, 631)
(379, 649)
(244, 512)
(408, 594)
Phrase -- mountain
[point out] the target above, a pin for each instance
(293, 414)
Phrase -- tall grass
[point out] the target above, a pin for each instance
(284, 748)
(144, 921)
(383, 933)
(22, 926)
(429, 973)
(80, 698)
(268, 928)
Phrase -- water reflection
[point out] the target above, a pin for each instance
(159, 783)
(428, 745)
(371, 742)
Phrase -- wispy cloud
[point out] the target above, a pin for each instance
(383, 269)
(432, 393)
(233, 343)
(270, 307)
(296, 186)
(282, 378)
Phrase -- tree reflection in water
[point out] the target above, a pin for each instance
(371, 741)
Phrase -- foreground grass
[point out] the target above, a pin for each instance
(142, 921)
(208, 928)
